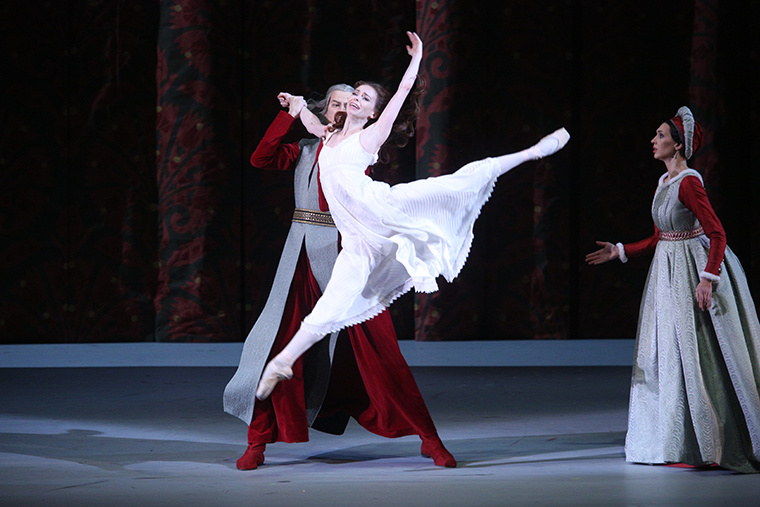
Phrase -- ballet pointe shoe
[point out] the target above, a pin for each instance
(252, 458)
(432, 447)
(548, 145)
(275, 371)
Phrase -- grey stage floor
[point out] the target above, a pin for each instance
(524, 436)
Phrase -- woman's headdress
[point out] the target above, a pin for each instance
(690, 130)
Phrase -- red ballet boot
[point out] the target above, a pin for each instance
(253, 457)
(432, 447)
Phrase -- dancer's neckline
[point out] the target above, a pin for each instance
(346, 138)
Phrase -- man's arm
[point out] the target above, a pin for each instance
(270, 154)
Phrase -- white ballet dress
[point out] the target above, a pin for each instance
(393, 238)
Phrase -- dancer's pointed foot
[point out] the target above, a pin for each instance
(432, 447)
(253, 457)
(548, 145)
(276, 370)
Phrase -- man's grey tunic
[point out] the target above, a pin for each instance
(321, 249)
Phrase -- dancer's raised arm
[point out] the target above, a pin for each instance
(375, 135)
(312, 123)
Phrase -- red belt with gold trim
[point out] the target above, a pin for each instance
(681, 235)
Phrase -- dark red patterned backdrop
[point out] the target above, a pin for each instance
(198, 129)
(129, 212)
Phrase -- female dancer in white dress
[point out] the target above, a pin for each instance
(392, 238)
(696, 372)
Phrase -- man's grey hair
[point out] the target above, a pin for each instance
(319, 107)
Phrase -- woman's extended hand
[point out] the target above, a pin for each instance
(704, 293)
(415, 50)
(604, 254)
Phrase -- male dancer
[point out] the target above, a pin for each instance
(362, 375)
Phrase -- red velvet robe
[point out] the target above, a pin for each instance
(370, 379)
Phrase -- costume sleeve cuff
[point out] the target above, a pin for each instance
(621, 252)
(713, 278)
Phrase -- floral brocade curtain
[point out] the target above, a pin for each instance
(197, 131)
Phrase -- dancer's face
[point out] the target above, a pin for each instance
(362, 102)
(663, 145)
(338, 102)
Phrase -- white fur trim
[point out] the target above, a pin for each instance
(709, 276)
(682, 174)
(621, 253)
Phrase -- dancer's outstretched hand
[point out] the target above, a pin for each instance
(604, 254)
(415, 50)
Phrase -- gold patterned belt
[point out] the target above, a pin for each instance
(311, 217)
(681, 235)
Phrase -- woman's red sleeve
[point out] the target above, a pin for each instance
(644, 246)
(692, 194)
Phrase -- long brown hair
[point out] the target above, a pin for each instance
(403, 127)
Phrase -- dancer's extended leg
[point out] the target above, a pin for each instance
(545, 147)
(349, 277)
(280, 367)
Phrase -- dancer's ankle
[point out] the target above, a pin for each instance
(285, 358)
(548, 145)
(529, 154)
